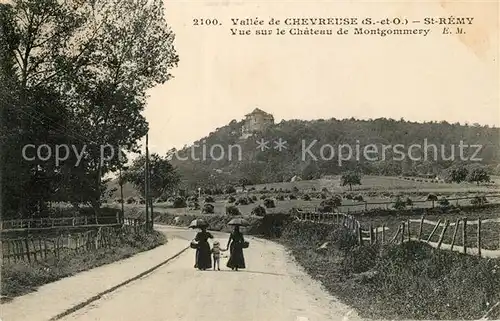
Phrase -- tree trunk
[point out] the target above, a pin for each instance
(120, 181)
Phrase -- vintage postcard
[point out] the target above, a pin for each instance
(249, 160)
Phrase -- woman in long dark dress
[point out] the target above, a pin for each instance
(203, 256)
(235, 245)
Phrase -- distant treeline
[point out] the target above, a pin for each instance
(309, 145)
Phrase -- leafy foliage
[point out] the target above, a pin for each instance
(350, 178)
(164, 179)
(274, 166)
(75, 74)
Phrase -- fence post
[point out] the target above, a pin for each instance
(376, 234)
(360, 236)
(402, 232)
(464, 234)
(421, 227)
(8, 251)
(434, 230)
(479, 237)
(409, 233)
(45, 248)
(27, 250)
(383, 233)
(457, 223)
(371, 234)
(446, 222)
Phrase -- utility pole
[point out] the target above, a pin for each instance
(151, 200)
(121, 220)
(146, 183)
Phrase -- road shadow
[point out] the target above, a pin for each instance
(252, 272)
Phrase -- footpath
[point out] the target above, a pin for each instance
(52, 300)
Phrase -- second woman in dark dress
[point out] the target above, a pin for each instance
(203, 254)
(235, 245)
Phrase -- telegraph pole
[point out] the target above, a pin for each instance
(146, 183)
(122, 214)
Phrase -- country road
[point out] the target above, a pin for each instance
(272, 288)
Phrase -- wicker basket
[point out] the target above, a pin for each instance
(193, 244)
(245, 245)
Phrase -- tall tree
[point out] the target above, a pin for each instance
(164, 178)
(98, 58)
(350, 178)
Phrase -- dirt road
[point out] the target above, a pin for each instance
(271, 288)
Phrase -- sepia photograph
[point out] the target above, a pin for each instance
(167, 160)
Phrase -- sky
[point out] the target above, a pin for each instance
(221, 77)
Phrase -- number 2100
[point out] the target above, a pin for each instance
(205, 22)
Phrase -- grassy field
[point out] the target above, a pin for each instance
(490, 227)
(376, 192)
(369, 184)
(410, 281)
(21, 278)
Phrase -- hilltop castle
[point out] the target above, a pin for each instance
(258, 120)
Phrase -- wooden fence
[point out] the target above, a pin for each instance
(405, 232)
(38, 248)
(57, 222)
(362, 206)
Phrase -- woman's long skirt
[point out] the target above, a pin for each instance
(203, 257)
(236, 258)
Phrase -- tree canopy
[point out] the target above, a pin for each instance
(76, 74)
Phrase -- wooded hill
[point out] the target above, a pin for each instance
(272, 165)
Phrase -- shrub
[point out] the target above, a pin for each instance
(209, 199)
(179, 202)
(409, 201)
(359, 198)
(259, 211)
(292, 197)
(208, 208)
(432, 197)
(313, 189)
(194, 205)
(230, 189)
(233, 210)
(142, 201)
(280, 197)
(254, 198)
(443, 202)
(242, 201)
(399, 203)
(329, 205)
(231, 199)
(348, 196)
(193, 198)
(269, 203)
(306, 197)
(323, 196)
(263, 197)
(479, 200)
(325, 190)
(130, 200)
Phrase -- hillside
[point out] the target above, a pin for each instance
(272, 165)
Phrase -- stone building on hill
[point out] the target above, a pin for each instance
(257, 121)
